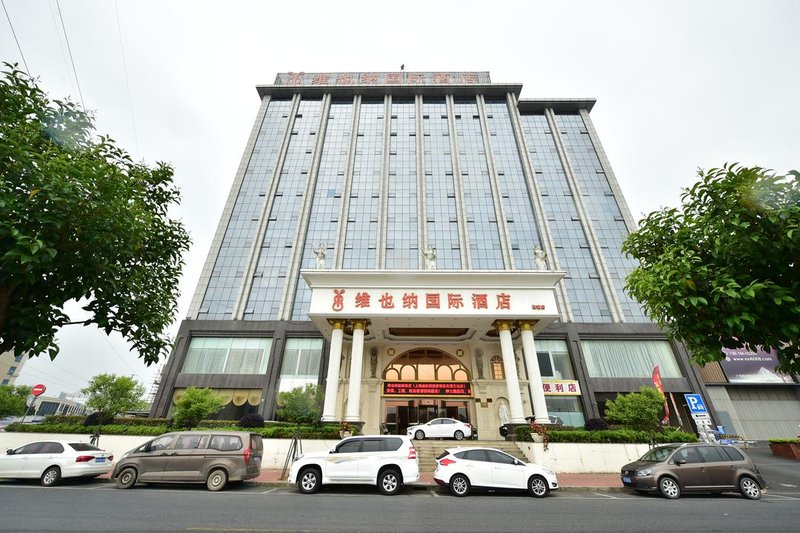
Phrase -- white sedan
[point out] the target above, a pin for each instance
(449, 428)
(49, 461)
(462, 469)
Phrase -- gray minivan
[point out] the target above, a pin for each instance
(210, 457)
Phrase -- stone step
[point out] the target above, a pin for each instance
(428, 450)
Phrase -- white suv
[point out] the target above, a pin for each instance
(388, 461)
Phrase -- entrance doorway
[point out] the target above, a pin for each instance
(399, 414)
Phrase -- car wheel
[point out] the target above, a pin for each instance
(389, 482)
(537, 487)
(51, 476)
(217, 480)
(749, 488)
(669, 488)
(126, 479)
(458, 435)
(309, 480)
(419, 435)
(459, 485)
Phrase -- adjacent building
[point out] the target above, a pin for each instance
(422, 244)
(10, 367)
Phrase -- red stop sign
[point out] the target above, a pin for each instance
(38, 389)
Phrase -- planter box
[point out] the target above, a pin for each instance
(786, 449)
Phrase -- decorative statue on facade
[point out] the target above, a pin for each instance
(429, 253)
(479, 362)
(320, 253)
(540, 257)
(373, 361)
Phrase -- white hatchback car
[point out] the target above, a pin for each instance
(388, 461)
(52, 460)
(462, 469)
(448, 428)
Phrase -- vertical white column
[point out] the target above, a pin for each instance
(356, 364)
(332, 382)
(534, 375)
(512, 379)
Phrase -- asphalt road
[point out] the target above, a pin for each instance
(88, 507)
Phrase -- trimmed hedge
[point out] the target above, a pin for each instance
(578, 435)
(272, 430)
(784, 441)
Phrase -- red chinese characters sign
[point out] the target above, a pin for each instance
(561, 387)
(427, 388)
(382, 78)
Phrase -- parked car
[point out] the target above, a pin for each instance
(700, 467)
(463, 469)
(448, 428)
(210, 457)
(388, 461)
(50, 461)
(553, 420)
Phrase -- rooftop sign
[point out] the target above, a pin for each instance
(382, 78)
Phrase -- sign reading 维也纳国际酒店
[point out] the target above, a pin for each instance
(455, 302)
(382, 78)
(427, 388)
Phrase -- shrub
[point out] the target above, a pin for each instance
(595, 424)
(638, 410)
(300, 405)
(98, 419)
(784, 441)
(195, 405)
(251, 420)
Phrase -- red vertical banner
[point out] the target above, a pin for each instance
(660, 388)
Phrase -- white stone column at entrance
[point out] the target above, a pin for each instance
(512, 379)
(332, 382)
(356, 364)
(534, 375)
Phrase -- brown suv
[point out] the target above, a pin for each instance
(210, 457)
(701, 467)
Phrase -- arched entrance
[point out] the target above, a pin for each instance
(422, 384)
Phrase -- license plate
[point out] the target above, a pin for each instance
(626, 479)
(99, 459)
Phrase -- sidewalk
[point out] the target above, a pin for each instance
(272, 476)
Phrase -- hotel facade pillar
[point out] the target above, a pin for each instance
(534, 375)
(512, 378)
(332, 382)
(356, 365)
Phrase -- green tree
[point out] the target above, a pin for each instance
(79, 220)
(637, 410)
(12, 400)
(111, 395)
(722, 271)
(195, 405)
(300, 405)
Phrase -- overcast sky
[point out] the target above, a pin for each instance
(679, 85)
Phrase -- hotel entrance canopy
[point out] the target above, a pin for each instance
(425, 303)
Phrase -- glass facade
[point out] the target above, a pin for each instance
(482, 231)
(629, 359)
(234, 254)
(300, 365)
(362, 220)
(607, 221)
(276, 249)
(440, 191)
(585, 293)
(402, 249)
(227, 355)
(327, 198)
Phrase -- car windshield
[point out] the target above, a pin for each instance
(657, 455)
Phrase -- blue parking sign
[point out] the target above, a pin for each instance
(695, 404)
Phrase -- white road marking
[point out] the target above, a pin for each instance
(268, 491)
(434, 493)
(782, 497)
(605, 495)
(787, 485)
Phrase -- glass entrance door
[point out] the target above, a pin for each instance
(399, 414)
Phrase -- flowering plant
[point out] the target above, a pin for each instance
(541, 430)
